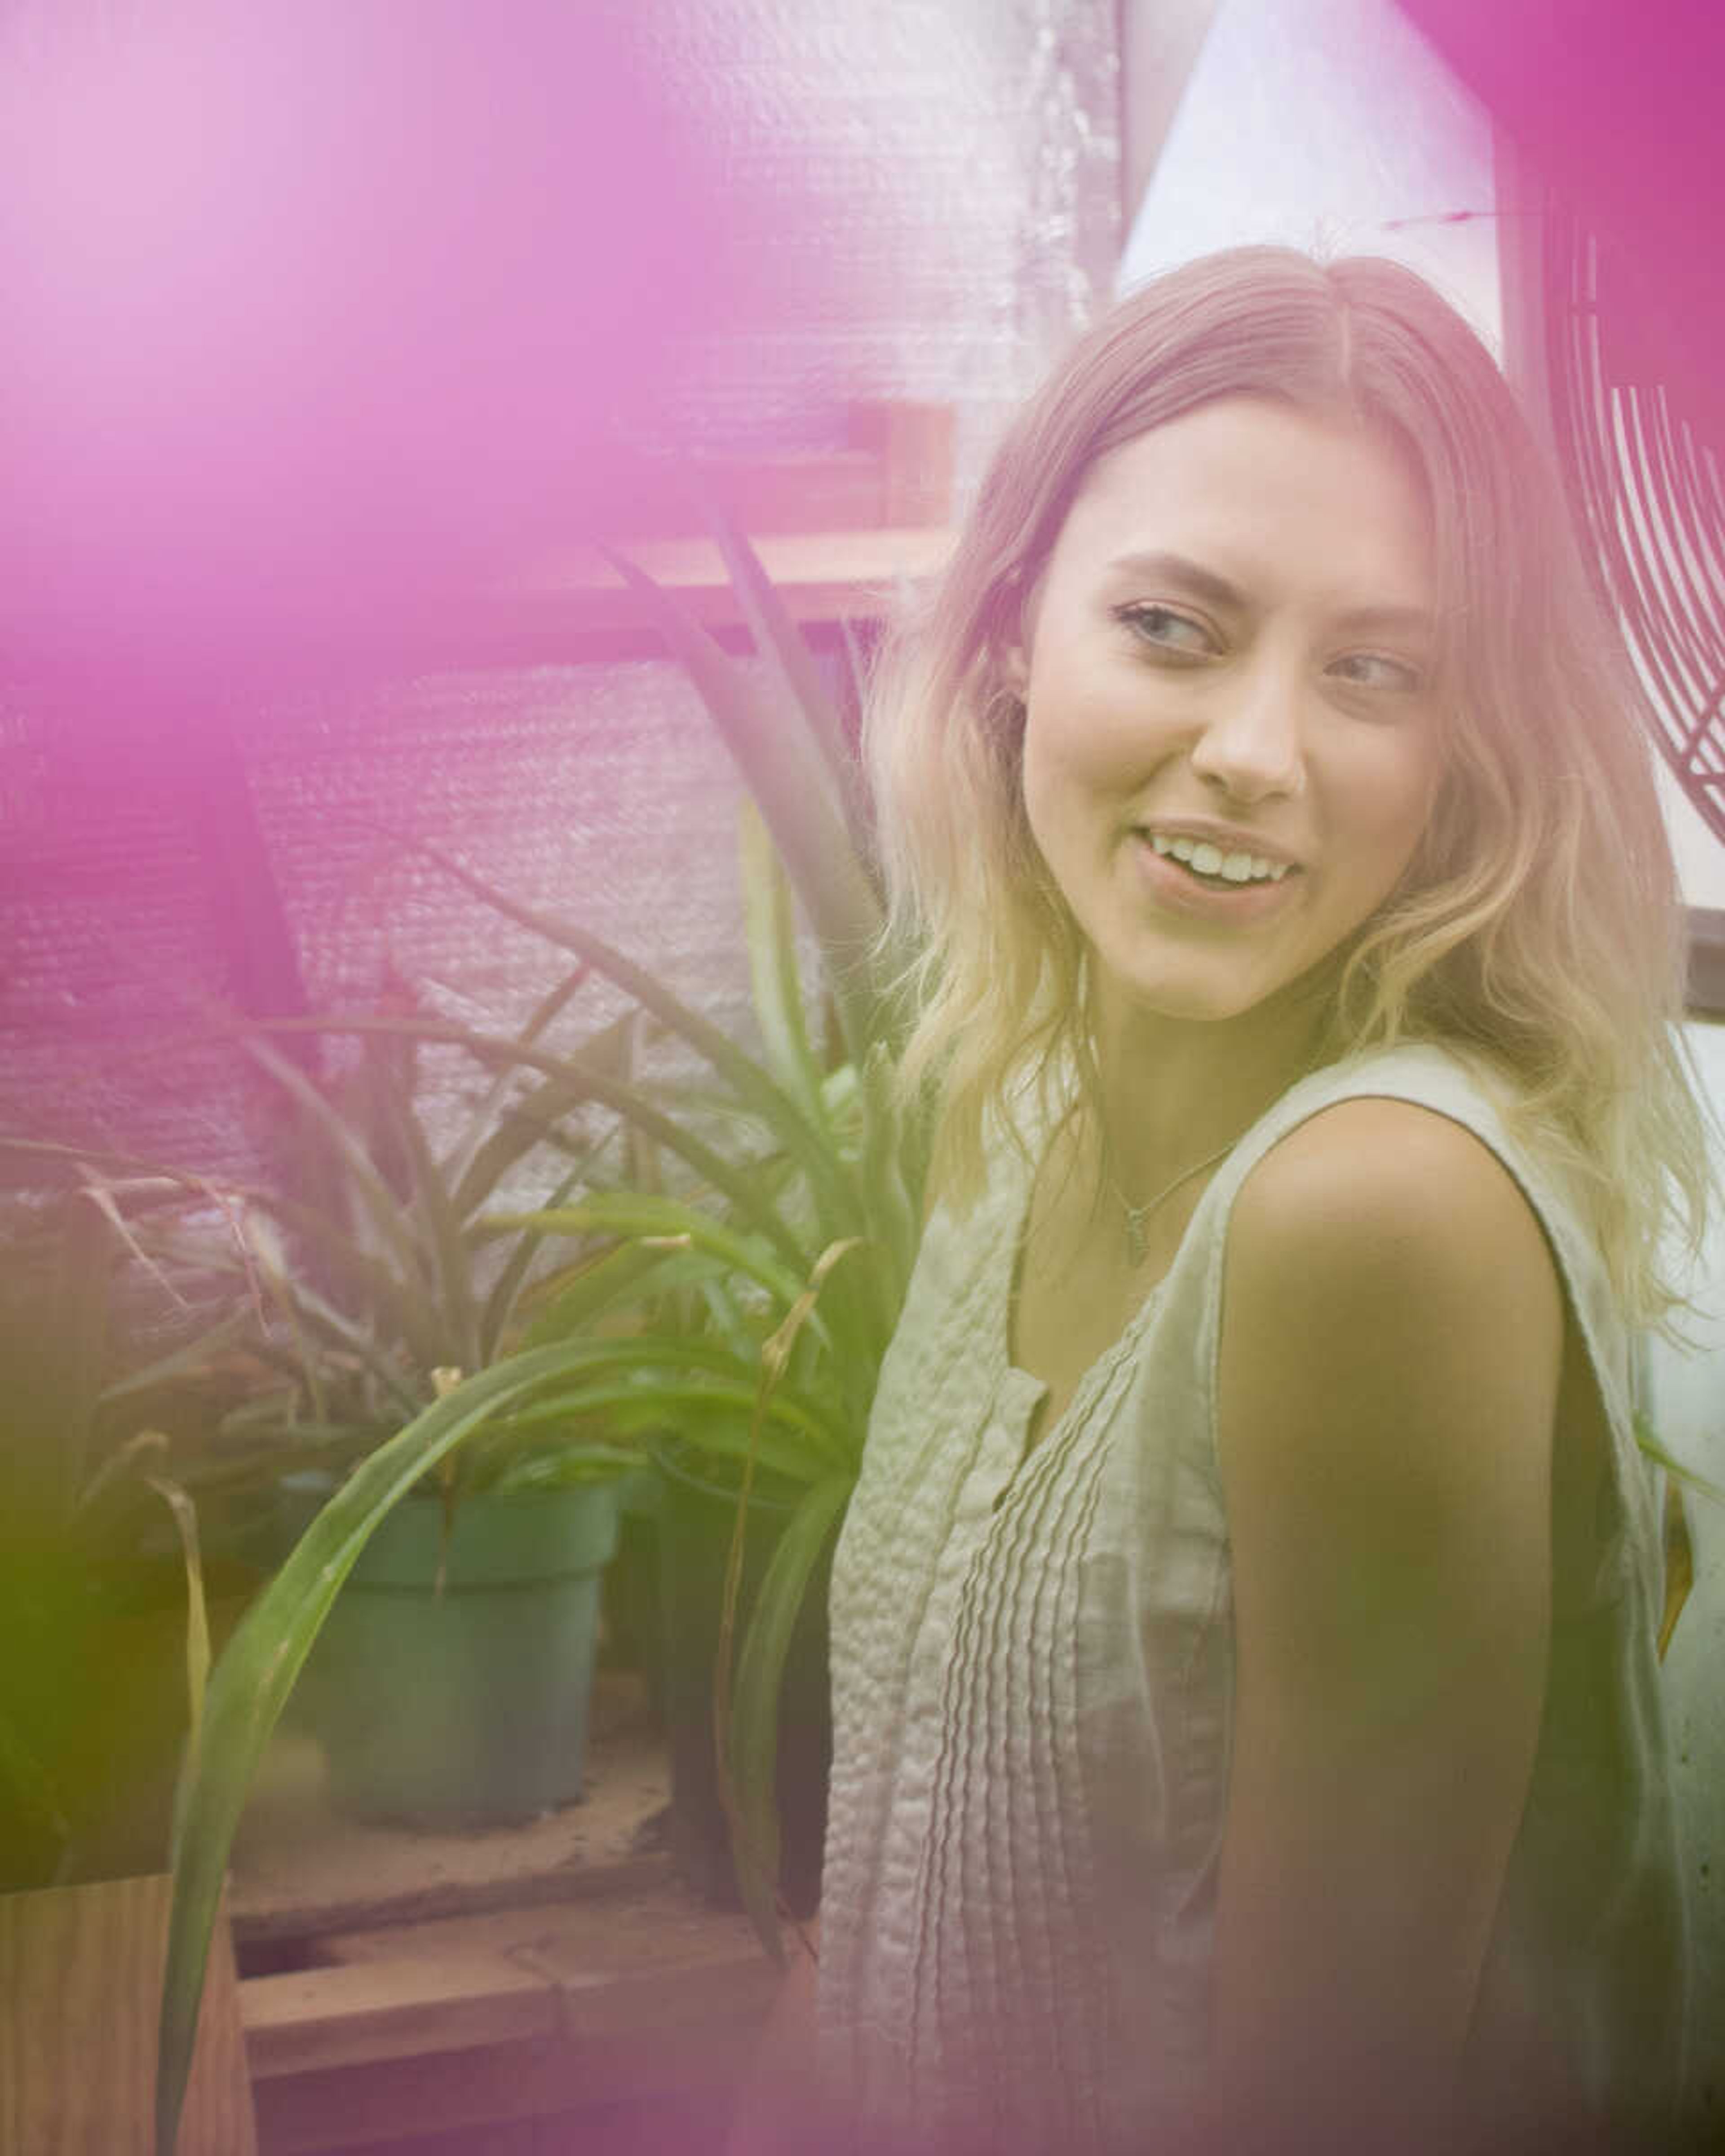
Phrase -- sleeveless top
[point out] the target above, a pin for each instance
(1032, 1698)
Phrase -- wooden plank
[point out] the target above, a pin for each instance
(80, 1995)
(669, 2055)
(586, 1975)
(667, 1927)
(321, 2018)
(821, 577)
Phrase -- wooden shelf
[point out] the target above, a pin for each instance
(546, 1986)
(643, 2001)
(822, 576)
(301, 1870)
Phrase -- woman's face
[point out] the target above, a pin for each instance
(1231, 742)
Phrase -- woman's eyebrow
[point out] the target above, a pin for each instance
(1390, 619)
(1178, 569)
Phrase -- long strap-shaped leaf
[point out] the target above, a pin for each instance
(256, 1673)
(380, 1203)
(778, 638)
(487, 1130)
(788, 776)
(753, 1736)
(742, 1801)
(636, 1213)
(716, 1404)
(771, 933)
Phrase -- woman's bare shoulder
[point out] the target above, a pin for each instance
(1372, 1173)
(1386, 1274)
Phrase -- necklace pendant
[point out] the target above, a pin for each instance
(1137, 1243)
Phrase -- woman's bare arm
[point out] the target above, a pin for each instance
(1391, 1345)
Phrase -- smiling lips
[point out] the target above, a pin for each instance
(1208, 859)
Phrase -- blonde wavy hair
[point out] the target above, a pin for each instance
(1539, 928)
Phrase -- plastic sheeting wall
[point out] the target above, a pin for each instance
(954, 165)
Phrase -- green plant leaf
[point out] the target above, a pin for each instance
(345, 1146)
(638, 1213)
(628, 1101)
(778, 639)
(786, 771)
(707, 1412)
(180, 1361)
(577, 1463)
(511, 1281)
(490, 1146)
(612, 1280)
(752, 1753)
(185, 1519)
(770, 930)
(433, 1209)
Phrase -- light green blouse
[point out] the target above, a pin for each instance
(1032, 1689)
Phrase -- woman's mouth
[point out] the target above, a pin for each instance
(1211, 865)
(1197, 876)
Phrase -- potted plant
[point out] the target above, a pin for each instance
(755, 1384)
(451, 1682)
(743, 1259)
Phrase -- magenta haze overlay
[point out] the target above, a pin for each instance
(1616, 104)
(315, 319)
(321, 309)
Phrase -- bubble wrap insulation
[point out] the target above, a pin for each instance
(956, 162)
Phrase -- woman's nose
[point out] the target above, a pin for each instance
(1251, 745)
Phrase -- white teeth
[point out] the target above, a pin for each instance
(1210, 861)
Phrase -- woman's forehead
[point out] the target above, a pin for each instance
(1253, 495)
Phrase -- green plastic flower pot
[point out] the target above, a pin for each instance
(464, 1705)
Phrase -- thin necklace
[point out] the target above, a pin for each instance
(1137, 1243)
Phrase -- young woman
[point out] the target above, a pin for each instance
(1247, 1721)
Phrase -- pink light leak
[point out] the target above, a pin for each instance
(316, 309)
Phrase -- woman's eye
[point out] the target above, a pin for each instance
(1376, 669)
(1168, 629)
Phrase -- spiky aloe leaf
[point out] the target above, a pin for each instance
(345, 1146)
(433, 1210)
